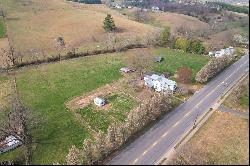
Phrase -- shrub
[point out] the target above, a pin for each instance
(182, 44)
(165, 36)
(196, 46)
(184, 75)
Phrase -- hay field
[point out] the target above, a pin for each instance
(175, 20)
(223, 140)
(33, 25)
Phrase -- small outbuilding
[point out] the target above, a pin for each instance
(99, 101)
(126, 70)
(158, 59)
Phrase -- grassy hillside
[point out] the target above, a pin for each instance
(2, 28)
(34, 25)
(46, 89)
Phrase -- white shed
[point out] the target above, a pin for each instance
(99, 101)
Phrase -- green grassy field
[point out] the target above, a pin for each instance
(244, 101)
(46, 88)
(101, 119)
(2, 28)
(3, 78)
(174, 59)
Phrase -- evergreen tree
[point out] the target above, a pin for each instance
(109, 24)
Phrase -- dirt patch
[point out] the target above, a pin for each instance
(85, 100)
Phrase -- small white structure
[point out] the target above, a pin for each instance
(99, 101)
(155, 8)
(9, 143)
(211, 53)
(126, 70)
(159, 83)
(223, 52)
(118, 6)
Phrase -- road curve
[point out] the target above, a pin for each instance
(149, 148)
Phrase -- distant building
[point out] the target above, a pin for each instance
(223, 52)
(160, 83)
(99, 101)
(158, 59)
(9, 143)
(155, 8)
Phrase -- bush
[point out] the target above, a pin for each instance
(213, 67)
(165, 36)
(182, 44)
(196, 46)
(184, 75)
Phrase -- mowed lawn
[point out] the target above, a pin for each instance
(175, 59)
(118, 108)
(2, 28)
(46, 88)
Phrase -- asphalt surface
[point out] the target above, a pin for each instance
(245, 115)
(152, 146)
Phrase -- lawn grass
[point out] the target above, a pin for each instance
(100, 119)
(175, 59)
(2, 28)
(47, 87)
(3, 78)
(244, 100)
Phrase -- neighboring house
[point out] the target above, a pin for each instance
(118, 6)
(9, 143)
(155, 8)
(159, 82)
(158, 59)
(211, 53)
(223, 52)
(99, 101)
(126, 70)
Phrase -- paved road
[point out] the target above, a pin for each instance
(149, 148)
(245, 115)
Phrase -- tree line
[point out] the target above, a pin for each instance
(94, 151)
(87, 1)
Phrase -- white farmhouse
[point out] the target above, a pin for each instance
(159, 83)
(223, 52)
(155, 8)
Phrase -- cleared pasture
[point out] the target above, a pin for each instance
(46, 89)
(34, 25)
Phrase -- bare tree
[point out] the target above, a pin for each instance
(184, 75)
(88, 150)
(74, 156)
(17, 125)
(60, 46)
